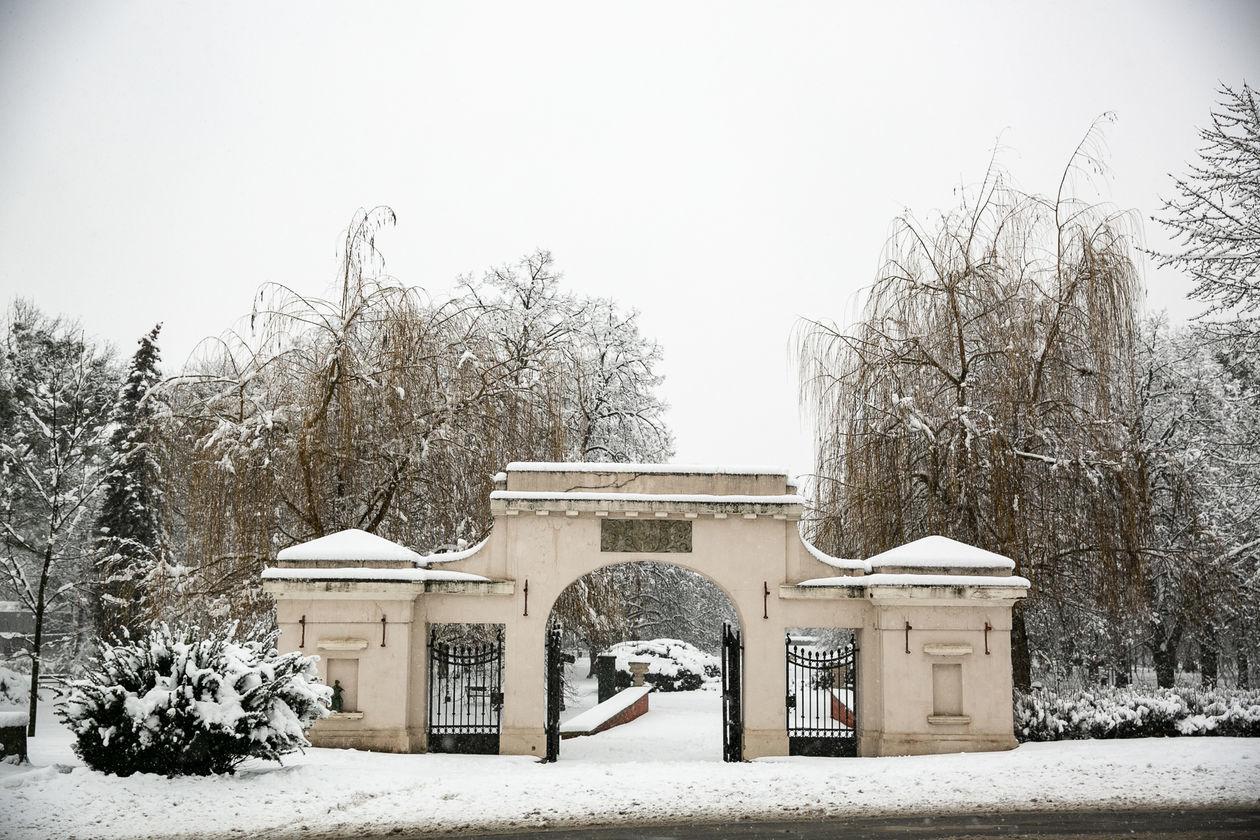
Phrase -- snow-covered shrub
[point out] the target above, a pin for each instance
(15, 688)
(186, 702)
(673, 665)
(1136, 713)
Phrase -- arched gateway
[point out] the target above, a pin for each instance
(932, 618)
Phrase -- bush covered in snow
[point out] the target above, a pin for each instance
(673, 665)
(186, 702)
(1136, 713)
(15, 688)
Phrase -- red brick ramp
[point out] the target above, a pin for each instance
(842, 707)
(622, 707)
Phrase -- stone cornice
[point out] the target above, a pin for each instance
(359, 589)
(509, 502)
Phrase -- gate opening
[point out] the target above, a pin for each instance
(465, 688)
(822, 710)
(650, 621)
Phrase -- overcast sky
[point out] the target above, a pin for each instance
(726, 168)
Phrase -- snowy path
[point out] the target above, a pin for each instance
(683, 726)
(339, 793)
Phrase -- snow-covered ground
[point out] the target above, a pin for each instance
(663, 767)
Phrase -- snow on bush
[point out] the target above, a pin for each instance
(1136, 713)
(674, 665)
(186, 702)
(15, 688)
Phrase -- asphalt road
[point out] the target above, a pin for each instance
(1105, 825)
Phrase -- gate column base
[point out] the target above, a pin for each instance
(759, 743)
(917, 743)
(523, 741)
(372, 740)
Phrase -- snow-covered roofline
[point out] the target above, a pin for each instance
(934, 552)
(678, 498)
(452, 556)
(663, 469)
(360, 574)
(909, 579)
(838, 562)
(350, 544)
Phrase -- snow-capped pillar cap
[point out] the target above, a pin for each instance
(351, 547)
(940, 555)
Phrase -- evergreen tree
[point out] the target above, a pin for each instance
(131, 537)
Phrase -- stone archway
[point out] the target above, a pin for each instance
(655, 612)
(932, 618)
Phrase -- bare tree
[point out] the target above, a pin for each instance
(390, 411)
(1199, 427)
(57, 393)
(988, 394)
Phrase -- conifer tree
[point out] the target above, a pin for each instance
(131, 537)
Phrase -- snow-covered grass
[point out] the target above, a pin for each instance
(662, 767)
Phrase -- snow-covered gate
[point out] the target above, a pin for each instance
(931, 619)
(465, 696)
(821, 699)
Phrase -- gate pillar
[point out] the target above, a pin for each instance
(943, 677)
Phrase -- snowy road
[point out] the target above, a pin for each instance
(1107, 825)
(620, 780)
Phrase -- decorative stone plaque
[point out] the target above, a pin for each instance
(645, 536)
(342, 644)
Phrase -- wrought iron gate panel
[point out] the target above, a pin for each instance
(732, 695)
(555, 660)
(821, 700)
(465, 696)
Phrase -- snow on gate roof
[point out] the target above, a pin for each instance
(939, 552)
(351, 544)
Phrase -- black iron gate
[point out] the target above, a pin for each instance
(555, 661)
(465, 696)
(821, 700)
(732, 695)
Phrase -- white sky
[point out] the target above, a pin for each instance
(726, 168)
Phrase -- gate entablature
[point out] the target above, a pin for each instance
(932, 622)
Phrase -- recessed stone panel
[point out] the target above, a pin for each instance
(645, 536)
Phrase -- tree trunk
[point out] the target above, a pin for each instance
(1021, 656)
(1123, 664)
(38, 642)
(1209, 656)
(1244, 664)
(1164, 651)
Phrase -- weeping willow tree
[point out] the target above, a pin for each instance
(988, 394)
(383, 409)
